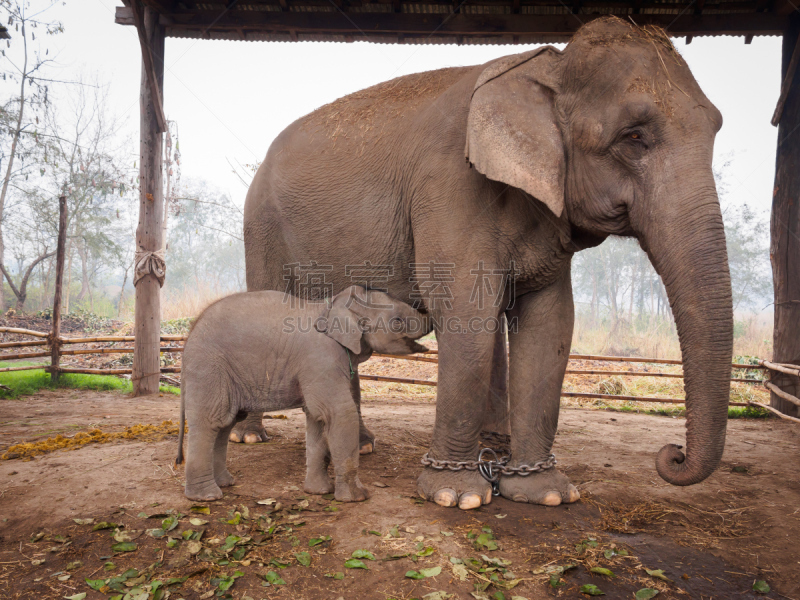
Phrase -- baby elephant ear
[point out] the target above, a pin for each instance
(512, 131)
(342, 325)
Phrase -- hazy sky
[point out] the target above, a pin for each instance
(230, 99)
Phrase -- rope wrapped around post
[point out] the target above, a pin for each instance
(149, 263)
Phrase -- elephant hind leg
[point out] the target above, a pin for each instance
(222, 476)
(249, 431)
(366, 439)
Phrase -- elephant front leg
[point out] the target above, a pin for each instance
(317, 458)
(366, 439)
(465, 365)
(540, 334)
(249, 431)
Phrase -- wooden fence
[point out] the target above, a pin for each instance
(45, 340)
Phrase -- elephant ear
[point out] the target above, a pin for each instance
(512, 131)
(342, 324)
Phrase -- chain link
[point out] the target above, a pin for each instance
(490, 469)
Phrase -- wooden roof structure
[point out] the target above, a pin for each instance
(452, 21)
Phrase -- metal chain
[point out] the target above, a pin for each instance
(490, 470)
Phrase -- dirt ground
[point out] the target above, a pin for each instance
(712, 540)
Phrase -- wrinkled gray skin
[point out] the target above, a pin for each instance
(612, 136)
(264, 351)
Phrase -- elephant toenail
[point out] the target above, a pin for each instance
(469, 501)
(234, 437)
(573, 495)
(446, 497)
(251, 438)
(519, 498)
(366, 448)
(487, 497)
(551, 499)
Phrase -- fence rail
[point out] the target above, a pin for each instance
(429, 357)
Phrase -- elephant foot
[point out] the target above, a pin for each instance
(548, 488)
(320, 483)
(225, 479)
(467, 489)
(203, 493)
(249, 431)
(366, 441)
(350, 491)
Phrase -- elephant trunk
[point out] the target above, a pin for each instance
(685, 241)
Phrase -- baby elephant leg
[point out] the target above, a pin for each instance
(221, 474)
(204, 457)
(333, 405)
(317, 458)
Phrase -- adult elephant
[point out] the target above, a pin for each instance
(612, 136)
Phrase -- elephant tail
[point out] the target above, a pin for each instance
(179, 460)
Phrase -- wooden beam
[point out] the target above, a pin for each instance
(61, 244)
(787, 82)
(147, 325)
(149, 65)
(364, 25)
(784, 248)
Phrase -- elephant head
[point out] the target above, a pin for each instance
(384, 324)
(614, 137)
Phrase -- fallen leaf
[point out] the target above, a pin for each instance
(95, 584)
(273, 578)
(64, 577)
(460, 571)
(304, 558)
(104, 525)
(84, 521)
(446, 533)
(354, 563)
(74, 566)
(761, 587)
(316, 541)
(430, 572)
(363, 554)
(109, 566)
(194, 547)
(197, 522)
(658, 574)
(440, 595)
(203, 510)
(592, 590)
(37, 561)
(337, 575)
(500, 516)
(124, 547)
(414, 575)
(646, 594)
(80, 596)
(266, 501)
(602, 571)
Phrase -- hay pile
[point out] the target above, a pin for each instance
(139, 432)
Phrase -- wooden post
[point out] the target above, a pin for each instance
(147, 329)
(55, 341)
(785, 228)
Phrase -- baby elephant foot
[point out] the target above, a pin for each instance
(467, 489)
(249, 431)
(350, 491)
(203, 492)
(225, 479)
(318, 484)
(549, 488)
(366, 441)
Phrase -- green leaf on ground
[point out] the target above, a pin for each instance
(273, 578)
(460, 571)
(354, 563)
(485, 540)
(646, 594)
(95, 584)
(592, 590)
(169, 523)
(337, 575)
(761, 587)
(658, 574)
(373, 532)
(363, 554)
(124, 547)
(394, 532)
(427, 551)
(440, 595)
(602, 571)
(304, 558)
(317, 541)
(414, 575)
(79, 596)
(104, 525)
(430, 572)
(555, 580)
(278, 564)
(237, 518)
(84, 521)
(109, 566)
(203, 510)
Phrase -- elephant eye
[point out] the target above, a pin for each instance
(636, 135)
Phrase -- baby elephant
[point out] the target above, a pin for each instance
(267, 351)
